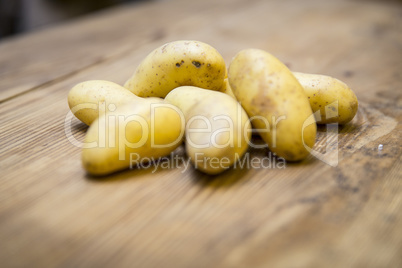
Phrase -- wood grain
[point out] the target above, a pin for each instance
(308, 214)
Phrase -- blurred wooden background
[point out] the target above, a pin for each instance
(308, 214)
(19, 16)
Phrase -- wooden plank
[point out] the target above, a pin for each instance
(307, 214)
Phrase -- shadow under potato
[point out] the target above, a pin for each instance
(254, 158)
(351, 127)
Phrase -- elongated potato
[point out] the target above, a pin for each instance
(88, 100)
(123, 138)
(336, 102)
(180, 63)
(217, 130)
(275, 102)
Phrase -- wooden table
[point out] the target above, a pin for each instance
(308, 214)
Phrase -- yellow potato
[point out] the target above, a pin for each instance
(217, 130)
(180, 63)
(88, 100)
(275, 102)
(334, 100)
(132, 134)
(227, 89)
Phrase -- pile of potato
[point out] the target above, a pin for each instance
(183, 91)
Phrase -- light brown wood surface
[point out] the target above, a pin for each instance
(307, 214)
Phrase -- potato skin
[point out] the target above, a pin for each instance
(113, 137)
(227, 89)
(322, 91)
(213, 106)
(180, 63)
(268, 92)
(88, 100)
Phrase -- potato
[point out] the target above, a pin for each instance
(218, 130)
(88, 100)
(130, 135)
(180, 63)
(275, 102)
(333, 98)
(226, 88)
